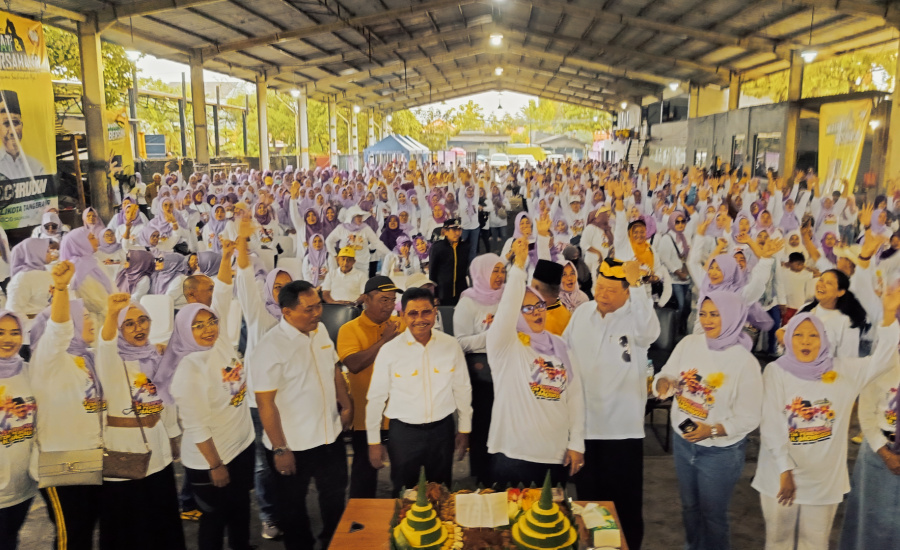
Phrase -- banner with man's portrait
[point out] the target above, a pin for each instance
(27, 118)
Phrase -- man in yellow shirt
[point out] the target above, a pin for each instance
(546, 280)
(358, 342)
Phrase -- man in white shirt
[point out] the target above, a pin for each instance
(422, 376)
(14, 163)
(345, 285)
(608, 340)
(304, 406)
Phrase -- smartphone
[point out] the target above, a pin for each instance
(687, 426)
(530, 246)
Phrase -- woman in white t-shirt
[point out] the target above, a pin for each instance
(169, 278)
(28, 292)
(539, 384)
(472, 317)
(66, 386)
(206, 377)
(801, 475)
(126, 365)
(841, 313)
(717, 388)
(17, 431)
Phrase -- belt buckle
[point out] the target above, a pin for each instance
(70, 467)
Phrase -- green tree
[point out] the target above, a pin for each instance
(65, 63)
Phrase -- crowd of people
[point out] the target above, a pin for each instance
(784, 291)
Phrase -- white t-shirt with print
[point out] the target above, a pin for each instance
(17, 428)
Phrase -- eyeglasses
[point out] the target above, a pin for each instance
(130, 325)
(50, 225)
(213, 322)
(626, 351)
(679, 222)
(530, 309)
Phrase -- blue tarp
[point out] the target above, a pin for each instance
(396, 144)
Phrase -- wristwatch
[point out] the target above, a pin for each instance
(278, 451)
(714, 432)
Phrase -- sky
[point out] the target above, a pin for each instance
(170, 71)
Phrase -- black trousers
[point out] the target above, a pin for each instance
(75, 512)
(510, 472)
(225, 507)
(363, 477)
(482, 405)
(625, 457)
(411, 446)
(11, 520)
(154, 500)
(327, 465)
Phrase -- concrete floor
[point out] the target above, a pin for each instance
(662, 512)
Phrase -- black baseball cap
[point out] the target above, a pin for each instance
(380, 283)
(452, 222)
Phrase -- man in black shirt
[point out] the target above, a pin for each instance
(449, 263)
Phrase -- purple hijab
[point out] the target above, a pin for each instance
(140, 264)
(147, 355)
(77, 346)
(679, 235)
(317, 258)
(544, 342)
(733, 313)
(96, 228)
(480, 273)
(106, 247)
(208, 263)
(180, 345)
(29, 255)
(11, 366)
(814, 369)
(173, 266)
(389, 236)
(76, 248)
(829, 250)
(271, 305)
(734, 277)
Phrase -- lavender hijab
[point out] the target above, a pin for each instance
(317, 259)
(271, 305)
(29, 255)
(77, 248)
(180, 346)
(543, 342)
(11, 366)
(173, 266)
(140, 264)
(734, 277)
(147, 356)
(733, 313)
(812, 370)
(480, 272)
(77, 346)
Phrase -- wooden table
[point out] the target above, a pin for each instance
(375, 516)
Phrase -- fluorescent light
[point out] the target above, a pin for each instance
(809, 55)
(496, 39)
(356, 108)
(295, 93)
(874, 124)
(624, 105)
(674, 85)
(498, 71)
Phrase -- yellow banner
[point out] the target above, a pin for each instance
(842, 132)
(118, 135)
(27, 117)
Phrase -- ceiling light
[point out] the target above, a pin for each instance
(496, 39)
(356, 108)
(295, 93)
(624, 105)
(348, 72)
(874, 124)
(498, 71)
(809, 55)
(674, 86)
(390, 118)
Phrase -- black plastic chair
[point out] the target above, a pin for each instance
(335, 315)
(659, 353)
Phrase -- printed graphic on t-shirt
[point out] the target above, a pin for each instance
(548, 380)
(696, 395)
(890, 414)
(809, 421)
(146, 398)
(265, 235)
(486, 322)
(92, 402)
(16, 418)
(233, 380)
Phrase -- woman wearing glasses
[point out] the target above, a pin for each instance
(206, 377)
(127, 365)
(673, 252)
(51, 227)
(537, 421)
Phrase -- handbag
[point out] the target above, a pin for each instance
(61, 468)
(123, 464)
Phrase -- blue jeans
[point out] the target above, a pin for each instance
(870, 519)
(263, 478)
(706, 480)
(772, 341)
(498, 233)
(683, 299)
(470, 237)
